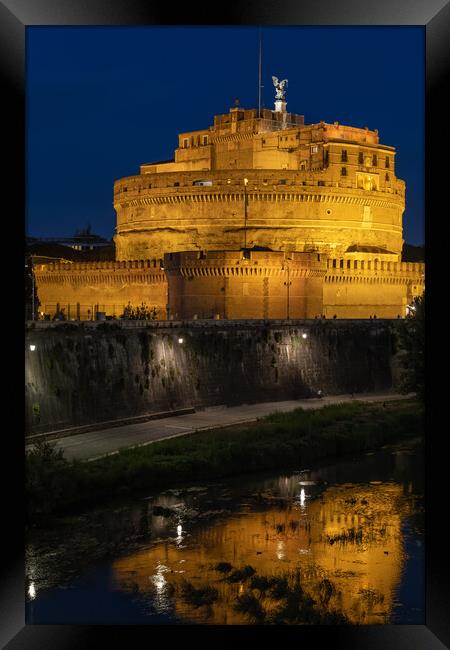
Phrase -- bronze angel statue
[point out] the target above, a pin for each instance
(280, 87)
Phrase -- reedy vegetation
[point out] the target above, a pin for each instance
(282, 440)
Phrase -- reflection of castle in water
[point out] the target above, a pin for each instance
(348, 534)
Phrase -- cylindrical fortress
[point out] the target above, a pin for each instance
(320, 187)
(285, 211)
(257, 216)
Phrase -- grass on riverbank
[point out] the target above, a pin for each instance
(281, 440)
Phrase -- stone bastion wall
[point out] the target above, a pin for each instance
(205, 284)
(84, 288)
(92, 372)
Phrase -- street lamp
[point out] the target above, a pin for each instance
(287, 285)
(245, 212)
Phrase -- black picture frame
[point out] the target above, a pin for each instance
(433, 15)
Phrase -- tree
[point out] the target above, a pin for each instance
(139, 313)
(411, 349)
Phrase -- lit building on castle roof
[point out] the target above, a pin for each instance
(257, 216)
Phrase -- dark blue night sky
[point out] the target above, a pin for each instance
(103, 100)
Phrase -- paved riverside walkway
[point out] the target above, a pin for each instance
(95, 444)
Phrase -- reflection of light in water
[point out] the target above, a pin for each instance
(179, 537)
(362, 573)
(302, 497)
(159, 581)
(160, 600)
(32, 591)
(280, 550)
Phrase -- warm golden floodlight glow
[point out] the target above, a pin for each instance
(347, 540)
(319, 193)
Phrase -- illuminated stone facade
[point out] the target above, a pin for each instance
(84, 288)
(260, 285)
(321, 186)
(245, 203)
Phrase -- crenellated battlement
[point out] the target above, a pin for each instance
(98, 265)
(221, 184)
(254, 264)
(100, 273)
(343, 267)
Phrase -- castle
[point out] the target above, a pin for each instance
(258, 216)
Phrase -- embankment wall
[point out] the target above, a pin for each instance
(82, 373)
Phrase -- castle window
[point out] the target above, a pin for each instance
(282, 181)
(185, 143)
(360, 158)
(321, 183)
(344, 157)
(386, 178)
(387, 162)
(314, 148)
(204, 139)
(176, 184)
(343, 171)
(203, 183)
(374, 160)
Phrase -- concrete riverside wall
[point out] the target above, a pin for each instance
(93, 372)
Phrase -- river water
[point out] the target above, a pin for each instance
(351, 531)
